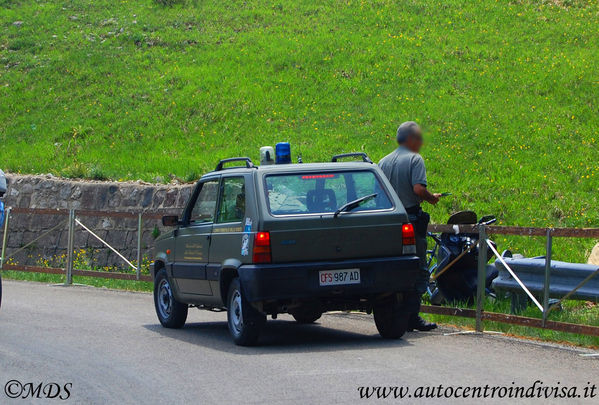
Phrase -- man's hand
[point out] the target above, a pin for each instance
(421, 191)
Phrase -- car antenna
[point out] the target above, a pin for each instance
(299, 157)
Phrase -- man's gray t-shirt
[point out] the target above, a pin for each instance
(404, 169)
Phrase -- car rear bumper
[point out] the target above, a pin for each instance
(267, 282)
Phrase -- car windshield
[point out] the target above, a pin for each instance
(319, 193)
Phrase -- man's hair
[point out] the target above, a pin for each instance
(406, 130)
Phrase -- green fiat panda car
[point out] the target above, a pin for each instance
(301, 239)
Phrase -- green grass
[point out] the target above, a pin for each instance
(91, 281)
(507, 91)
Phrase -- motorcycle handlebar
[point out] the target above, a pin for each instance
(489, 222)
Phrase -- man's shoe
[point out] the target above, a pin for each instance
(422, 325)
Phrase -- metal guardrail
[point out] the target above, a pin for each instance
(479, 314)
(564, 278)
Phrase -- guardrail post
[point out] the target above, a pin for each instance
(139, 235)
(5, 237)
(482, 275)
(70, 248)
(549, 246)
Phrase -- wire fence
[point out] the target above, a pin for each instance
(483, 243)
(73, 221)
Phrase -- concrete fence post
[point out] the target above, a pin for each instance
(549, 248)
(5, 237)
(139, 235)
(70, 248)
(482, 276)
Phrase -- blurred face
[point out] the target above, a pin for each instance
(414, 142)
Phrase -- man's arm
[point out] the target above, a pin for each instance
(421, 191)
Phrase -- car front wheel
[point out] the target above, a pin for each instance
(245, 322)
(171, 313)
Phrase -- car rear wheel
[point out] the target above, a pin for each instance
(245, 322)
(391, 319)
(171, 313)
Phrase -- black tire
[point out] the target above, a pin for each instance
(245, 322)
(171, 313)
(306, 316)
(392, 320)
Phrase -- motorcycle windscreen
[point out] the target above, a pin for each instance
(463, 217)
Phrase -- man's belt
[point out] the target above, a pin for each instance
(415, 210)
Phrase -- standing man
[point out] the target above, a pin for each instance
(404, 168)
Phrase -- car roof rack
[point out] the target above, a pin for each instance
(248, 163)
(364, 156)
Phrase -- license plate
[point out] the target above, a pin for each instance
(339, 277)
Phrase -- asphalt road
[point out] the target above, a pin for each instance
(109, 345)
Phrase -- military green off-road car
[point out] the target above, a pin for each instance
(301, 239)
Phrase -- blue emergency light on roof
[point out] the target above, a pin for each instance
(283, 153)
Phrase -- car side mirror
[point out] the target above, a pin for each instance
(170, 220)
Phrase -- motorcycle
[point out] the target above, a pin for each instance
(453, 262)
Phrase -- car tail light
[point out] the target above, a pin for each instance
(262, 253)
(408, 239)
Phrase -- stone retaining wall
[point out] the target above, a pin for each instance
(49, 192)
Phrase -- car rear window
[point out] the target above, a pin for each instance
(318, 193)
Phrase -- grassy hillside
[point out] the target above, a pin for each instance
(507, 90)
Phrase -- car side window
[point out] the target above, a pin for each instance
(232, 200)
(205, 206)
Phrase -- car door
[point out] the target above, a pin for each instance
(230, 235)
(193, 240)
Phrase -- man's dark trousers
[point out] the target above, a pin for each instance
(419, 220)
